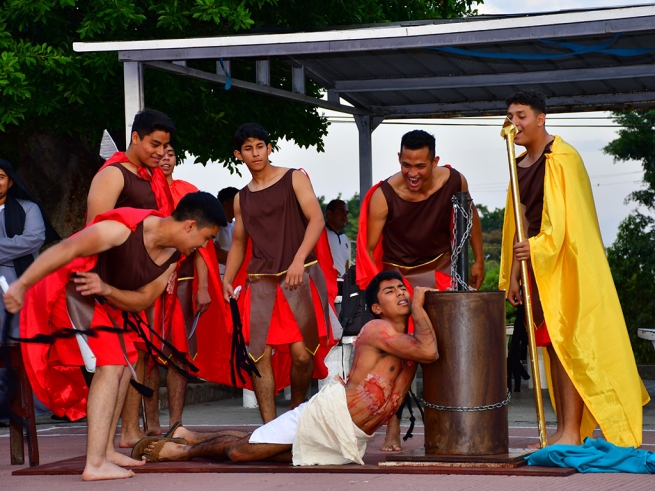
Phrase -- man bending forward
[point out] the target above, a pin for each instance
(337, 423)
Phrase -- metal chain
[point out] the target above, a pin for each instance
(468, 409)
(455, 278)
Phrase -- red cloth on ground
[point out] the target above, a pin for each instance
(61, 387)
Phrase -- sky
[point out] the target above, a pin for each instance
(478, 152)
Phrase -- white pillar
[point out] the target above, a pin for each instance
(249, 399)
(364, 125)
(134, 100)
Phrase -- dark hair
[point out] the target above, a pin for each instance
(202, 207)
(417, 139)
(373, 288)
(150, 120)
(332, 205)
(227, 194)
(536, 100)
(250, 130)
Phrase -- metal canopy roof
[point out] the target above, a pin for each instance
(582, 60)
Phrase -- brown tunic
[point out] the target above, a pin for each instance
(116, 267)
(276, 224)
(531, 190)
(417, 232)
(136, 193)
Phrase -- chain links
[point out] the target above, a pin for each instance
(468, 409)
(455, 278)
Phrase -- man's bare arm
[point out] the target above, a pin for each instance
(105, 189)
(421, 347)
(138, 300)
(378, 211)
(93, 240)
(315, 225)
(202, 272)
(237, 251)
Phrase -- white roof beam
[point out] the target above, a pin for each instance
(495, 80)
(252, 87)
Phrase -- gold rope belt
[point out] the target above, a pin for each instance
(279, 274)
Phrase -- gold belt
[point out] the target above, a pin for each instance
(278, 274)
(409, 268)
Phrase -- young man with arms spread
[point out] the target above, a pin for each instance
(134, 179)
(286, 299)
(95, 281)
(317, 432)
(593, 376)
(406, 225)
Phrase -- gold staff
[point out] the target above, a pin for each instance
(508, 133)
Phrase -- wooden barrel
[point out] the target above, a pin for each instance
(471, 372)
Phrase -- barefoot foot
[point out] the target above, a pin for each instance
(568, 440)
(191, 437)
(392, 439)
(154, 430)
(106, 470)
(128, 440)
(123, 460)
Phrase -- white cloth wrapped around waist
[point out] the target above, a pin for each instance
(326, 434)
(321, 431)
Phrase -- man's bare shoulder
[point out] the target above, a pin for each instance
(397, 182)
(373, 328)
(109, 173)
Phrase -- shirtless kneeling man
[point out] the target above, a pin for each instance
(318, 432)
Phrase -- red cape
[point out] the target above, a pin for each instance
(365, 267)
(61, 388)
(212, 335)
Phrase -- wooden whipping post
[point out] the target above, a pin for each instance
(508, 133)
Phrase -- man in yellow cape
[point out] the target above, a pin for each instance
(591, 370)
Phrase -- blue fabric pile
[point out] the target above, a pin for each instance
(595, 456)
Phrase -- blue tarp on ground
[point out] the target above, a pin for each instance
(595, 456)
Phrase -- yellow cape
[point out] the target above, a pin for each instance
(580, 304)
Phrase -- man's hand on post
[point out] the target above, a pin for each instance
(522, 250)
(419, 295)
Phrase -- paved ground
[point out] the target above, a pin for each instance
(61, 441)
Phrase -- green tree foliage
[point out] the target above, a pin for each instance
(636, 141)
(632, 255)
(492, 238)
(47, 87)
(632, 260)
(54, 102)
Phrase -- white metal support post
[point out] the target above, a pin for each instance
(366, 125)
(134, 100)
